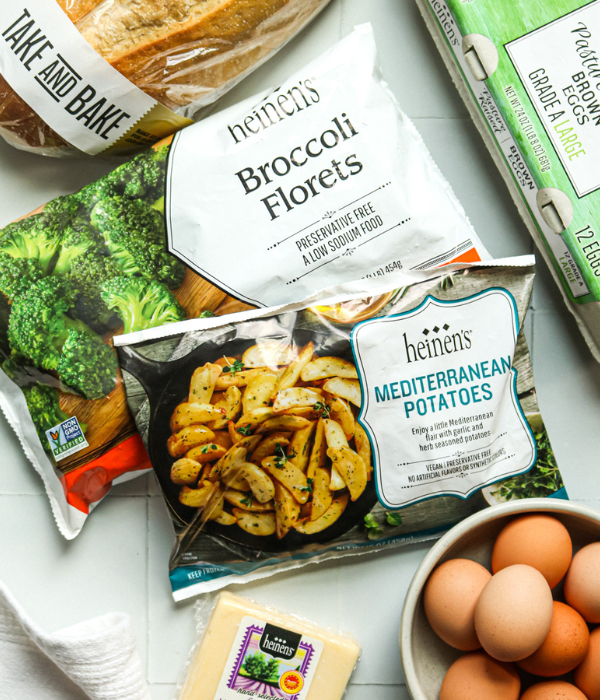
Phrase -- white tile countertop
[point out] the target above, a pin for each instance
(119, 562)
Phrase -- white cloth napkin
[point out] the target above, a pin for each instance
(95, 660)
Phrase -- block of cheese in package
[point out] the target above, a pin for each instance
(93, 76)
(528, 73)
(321, 181)
(254, 650)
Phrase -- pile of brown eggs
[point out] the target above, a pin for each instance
(510, 620)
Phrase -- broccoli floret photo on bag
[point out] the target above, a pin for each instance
(140, 178)
(88, 273)
(41, 330)
(35, 238)
(141, 303)
(87, 264)
(76, 240)
(135, 235)
(18, 274)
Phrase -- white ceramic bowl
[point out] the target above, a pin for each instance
(425, 657)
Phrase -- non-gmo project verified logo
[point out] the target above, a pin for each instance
(66, 438)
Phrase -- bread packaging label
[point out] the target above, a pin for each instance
(368, 419)
(319, 182)
(531, 78)
(71, 87)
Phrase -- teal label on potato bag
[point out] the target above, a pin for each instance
(66, 438)
(441, 410)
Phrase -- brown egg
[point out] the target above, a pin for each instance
(565, 646)
(553, 690)
(587, 675)
(582, 585)
(535, 540)
(449, 599)
(476, 676)
(514, 613)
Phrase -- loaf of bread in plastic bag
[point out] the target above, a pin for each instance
(183, 53)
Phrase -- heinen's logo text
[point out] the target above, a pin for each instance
(438, 345)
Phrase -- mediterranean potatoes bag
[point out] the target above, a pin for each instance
(361, 422)
(110, 76)
(321, 181)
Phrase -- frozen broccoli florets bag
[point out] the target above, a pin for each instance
(319, 182)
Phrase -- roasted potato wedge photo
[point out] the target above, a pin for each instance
(232, 459)
(363, 447)
(284, 423)
(348, 389)
(214, 506)
(234, 435)
(271, 439)
(322, 497)
(351, 468)
(240, 378)
(189, 413)
(260, 483)
(308, 412)
(258, 392)
(211, 452)
(325, 367)
(269, 353)
(197, 498)
(183, 440)
(255, 417)
(231, 405)
(259, 524)
(202, 384)
(289, 475)
(225, 518)
(242, 500)
(293, 371)
(185, 471)
(287, 510)
(235, 480)
(268, 446)
(334, 434)
(340, 412)
(319, 450)
(296, 397)
(337, 507)
(247, 442)
(336, 483)
(222, 438)
(298, 451)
